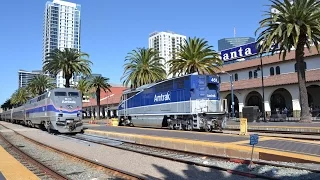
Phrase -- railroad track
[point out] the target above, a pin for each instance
(35, 166)
(45, 172)
(185, 157)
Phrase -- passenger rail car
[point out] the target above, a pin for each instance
(58, 109)
(188, 102)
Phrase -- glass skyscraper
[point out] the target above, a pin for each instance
(61, 30)
(26, 76)
(227, 43)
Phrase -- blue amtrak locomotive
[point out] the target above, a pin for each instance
(187, 102)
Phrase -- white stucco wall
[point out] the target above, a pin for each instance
(285, 67)
(268, 91)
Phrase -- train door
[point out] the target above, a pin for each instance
(224, 105)
(45, 106)
(125, 113)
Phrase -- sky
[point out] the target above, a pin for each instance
(112, 28)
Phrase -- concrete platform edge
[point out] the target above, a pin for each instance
(279, 128)
(229, 150)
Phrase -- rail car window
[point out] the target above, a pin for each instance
(73, 94)
(60, 94)
(166, 86)
(212, 86)
(42, 97)
(148, 91)
(131, 94)
(180, 83)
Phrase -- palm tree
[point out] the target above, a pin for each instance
(143, 67)
(83, 86)
(39, 84)
(19, 97)
(296, 25)
(99, 83)
(70, 61)
(195, 55)
(6, 105)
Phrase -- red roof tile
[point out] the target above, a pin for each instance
(112, 97)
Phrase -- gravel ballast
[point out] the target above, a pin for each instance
(143, 165)
(60, 163)
(273, 170)
(152, 167)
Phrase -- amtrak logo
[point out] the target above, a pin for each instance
(162, 97)
(211, 95)
(69, 101)
(69, 106)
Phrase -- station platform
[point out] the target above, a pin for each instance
(12, 169)
(228, 145)
(297, 127)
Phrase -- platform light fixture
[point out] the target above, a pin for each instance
(232, 93)
(260, 68)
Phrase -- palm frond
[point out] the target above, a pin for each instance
(143, 66)
(195, 55)
(69, 61)
(293, 23)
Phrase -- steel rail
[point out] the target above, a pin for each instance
(45, 169)
(246, 174)
(112, 170)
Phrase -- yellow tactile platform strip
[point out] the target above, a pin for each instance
(12, 169)
(230, 149)
(279, 128)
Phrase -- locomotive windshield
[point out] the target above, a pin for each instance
(71, 94)
(60, 94)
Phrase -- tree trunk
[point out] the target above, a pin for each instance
(98, 101)
(305, 115)
(68, 77)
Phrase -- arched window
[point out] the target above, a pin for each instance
(236, 77)
(250, 74)
(277, 70)
(219, 79)
(255, 74)
(295, 66)
(271, 71)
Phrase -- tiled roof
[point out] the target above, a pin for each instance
(282, 79)
(266, 60)
(112, 97)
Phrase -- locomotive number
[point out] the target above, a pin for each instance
(214, 80)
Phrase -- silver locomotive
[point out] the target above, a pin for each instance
(58, 109)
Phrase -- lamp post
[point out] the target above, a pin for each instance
(232, 94)
(263, 108)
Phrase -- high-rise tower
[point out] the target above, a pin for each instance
(61, 30)
(167, 43)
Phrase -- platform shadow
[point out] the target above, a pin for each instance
(203, 173)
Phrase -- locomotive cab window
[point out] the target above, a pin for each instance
(212, 86)
(73, 94)
(60, 94)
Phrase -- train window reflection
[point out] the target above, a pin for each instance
(73, 94)
(60, 93)
(212, 86)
